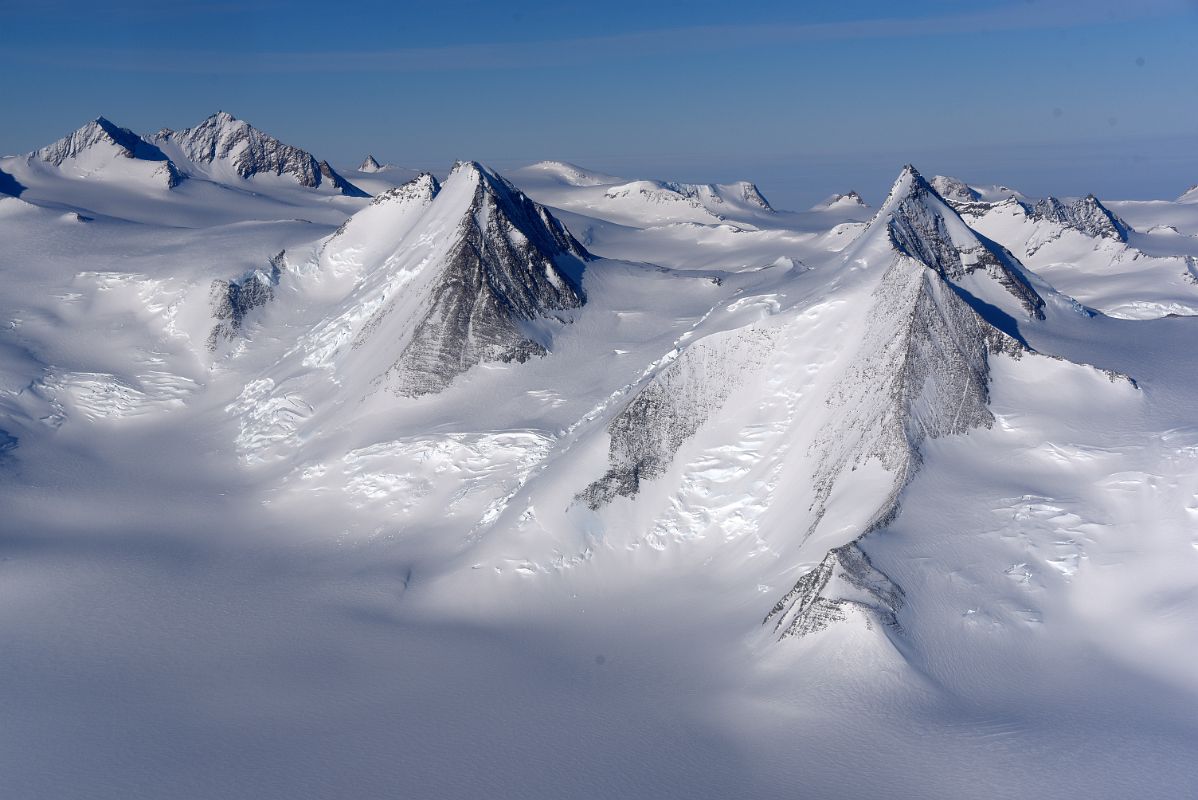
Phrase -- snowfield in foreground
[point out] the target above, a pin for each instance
(378, 483)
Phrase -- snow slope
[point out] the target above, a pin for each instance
(531, 488)
(1088, 251)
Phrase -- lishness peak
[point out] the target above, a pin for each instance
(370, 165)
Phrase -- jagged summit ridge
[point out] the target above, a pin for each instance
(423, 188)
(923, 226)
(849, 199)
(709, 197)
(100, 130)
(88, 144)
(222, 138)
(1086, 214)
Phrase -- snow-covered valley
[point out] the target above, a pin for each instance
(324, 482)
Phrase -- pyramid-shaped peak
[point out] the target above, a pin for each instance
(499, 203)
(100, 130)
(496, 273)
(909, 184)
(474, 170)
(370, 164)
(920, 224)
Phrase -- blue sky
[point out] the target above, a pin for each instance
(805, 99)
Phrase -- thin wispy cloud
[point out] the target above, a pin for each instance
(585, 50)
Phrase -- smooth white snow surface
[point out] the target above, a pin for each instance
(250, 571)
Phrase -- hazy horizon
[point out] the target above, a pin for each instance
(1049, 96)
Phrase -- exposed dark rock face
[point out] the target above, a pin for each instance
(845, 581)
(423, 188)
(752, 195)
(251, 152)
(924, 227)
(339, 183)
(504, 270)
(1191, 273)
(851, 197)
(922, 372)
(232, 300)
(100, 130)
(370, 165)
(672, 407)
(1086, 214)
(128, 144)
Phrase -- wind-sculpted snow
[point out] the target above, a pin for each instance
(924, 227)
(268, 416)
(101, 396)
(222, 138)
(843, 583)
(672, 407)
(232, 300)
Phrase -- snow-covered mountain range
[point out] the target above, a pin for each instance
(644, 484)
